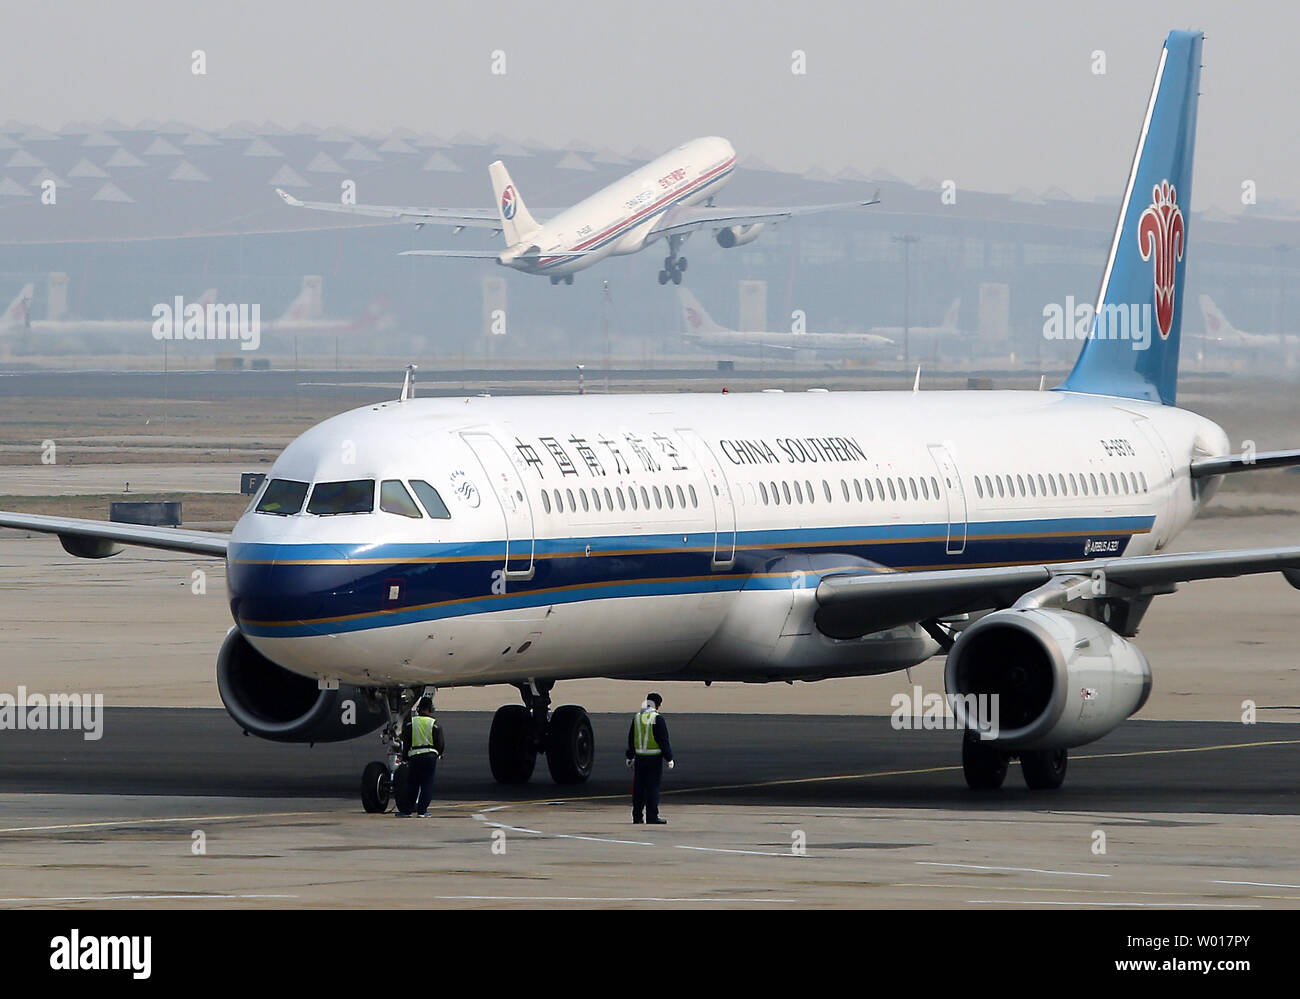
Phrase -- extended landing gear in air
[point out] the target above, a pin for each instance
(985, 766)
(567, 279)
(384, 781)
(521, 731)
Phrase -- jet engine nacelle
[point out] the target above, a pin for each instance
(1056, 679)
(738, 235)
(273, 703)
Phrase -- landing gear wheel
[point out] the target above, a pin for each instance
(681, 264)
(511, 752)
(984, 765)
(677, 277)
(663, 277)
(1044, 770)
(376, 787)
(570, 745)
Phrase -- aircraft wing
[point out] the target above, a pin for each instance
(858, 603)
(461, 218)
(72, 531)
(680, 221)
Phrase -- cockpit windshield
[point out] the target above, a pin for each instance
(283, 497)
(351, 496)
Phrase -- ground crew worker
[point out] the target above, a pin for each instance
(647, 751)
(422, 745)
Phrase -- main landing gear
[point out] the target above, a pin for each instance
(674, 266)
(384, 781)
(521, 731)
(985, 766)
(567, 279)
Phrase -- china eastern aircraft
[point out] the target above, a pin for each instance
(667, 199)
(700, 330)
(757, 537)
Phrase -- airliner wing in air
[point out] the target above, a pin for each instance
(461, 218)
(689, 218)
(860, 603)
(99, 538)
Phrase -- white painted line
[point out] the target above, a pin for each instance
(1119, 905)
(599, 898)
(748, 853)
(1254, 884)
(1023, 870)
(137, 898)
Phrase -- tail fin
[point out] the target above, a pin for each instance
(949, 323)
(1132, 349)
(18, 315)
(1216, 323)
(516, 223)
(695, 320)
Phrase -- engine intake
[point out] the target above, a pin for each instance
(1055, 679)
(738, 235)
(274, 703)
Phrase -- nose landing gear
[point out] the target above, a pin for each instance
(520, 732)
(384, 782)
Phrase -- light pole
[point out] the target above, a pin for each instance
(906, 240)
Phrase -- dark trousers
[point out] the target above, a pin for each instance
(647, 775)
(419, 777)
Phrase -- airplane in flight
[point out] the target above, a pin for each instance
(760, 537)
(667, 199)
(703, 332)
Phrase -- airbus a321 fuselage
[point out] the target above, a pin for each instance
(762, 537)
(666, 199)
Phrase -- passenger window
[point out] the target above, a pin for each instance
(428, 496)
(283, 497)
(393, 498)
(352, 496)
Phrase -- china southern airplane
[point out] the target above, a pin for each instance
(700, 330)
(756, 537)
(669, 198)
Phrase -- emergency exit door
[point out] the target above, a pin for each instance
(954, 496)
(505, 483)
(724, 509)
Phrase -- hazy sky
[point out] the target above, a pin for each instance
(995, 95)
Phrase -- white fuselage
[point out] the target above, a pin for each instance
(618, 219)
(684, 535)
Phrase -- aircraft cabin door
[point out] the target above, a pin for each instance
(507, 485)
(954, 495)
(719, 490)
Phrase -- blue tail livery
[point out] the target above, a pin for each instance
(1132, 349)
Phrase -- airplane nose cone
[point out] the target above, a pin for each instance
(285, 595)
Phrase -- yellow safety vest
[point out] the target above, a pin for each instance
(643, 732)
(422, 735)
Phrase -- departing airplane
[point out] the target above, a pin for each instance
(755, 537)
(701, 331)
(669, 198)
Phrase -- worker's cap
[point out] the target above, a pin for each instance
(654, 699)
